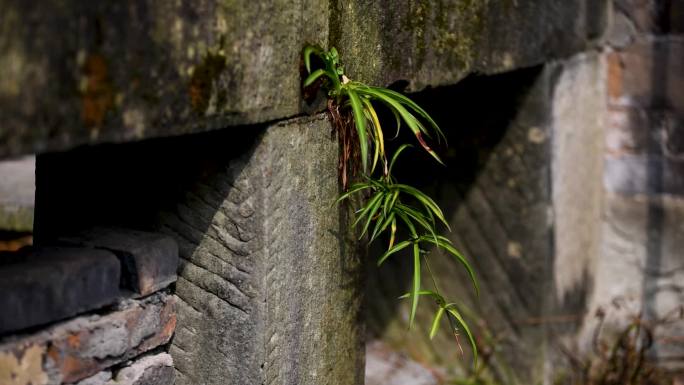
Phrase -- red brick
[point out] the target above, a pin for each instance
(648, 74)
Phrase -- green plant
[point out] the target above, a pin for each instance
(352, 106)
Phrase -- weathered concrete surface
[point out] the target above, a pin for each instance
(312, 267)
(16, 194)
(78, 72)
(429, 43)
(269, 293)
(52, 284)
(82, 347)
(268, 284)
(579, 116)
(148, 260)
(88, 72)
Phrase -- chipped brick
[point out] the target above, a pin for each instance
(149, 260)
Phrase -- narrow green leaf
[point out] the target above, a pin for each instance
(395, 198)
(360, 123)
(424, 199)
(435, 322)
(454, 312)
(413, 105)
(404, 218)
(420, 219)
(445, 244)
(396, 155)
(353, 189)
(386, 204)
(364, 211)
(393, 233)
(371, 213)
(379, 138)
(398, 121)
(308, 50)
(416, 283)
(414, 124)
(312, 78)
(390, 201)
(381, 226)
(438, 298)
(398, 247)
(396, 101)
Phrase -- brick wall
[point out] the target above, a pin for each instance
(94, 308)
(639, 267)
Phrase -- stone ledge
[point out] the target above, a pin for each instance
(82, 347)
(148, 260)
(168, 68)
(52, 284)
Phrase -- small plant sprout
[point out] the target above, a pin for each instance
(389, 204)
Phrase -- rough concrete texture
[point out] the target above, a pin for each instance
(436, 43)
(148, 260)
(269, 291)
(47, 285)
(82, 347)
(86, 72)
(17, 191)
(312, 268)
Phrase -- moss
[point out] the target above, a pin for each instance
(458, 42)
(202, 81)
(418, 14)
(16, 218)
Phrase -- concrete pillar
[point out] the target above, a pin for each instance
(268, 282)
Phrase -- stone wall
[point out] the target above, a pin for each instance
(638, 267)
(564, 182)
(122, 72)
